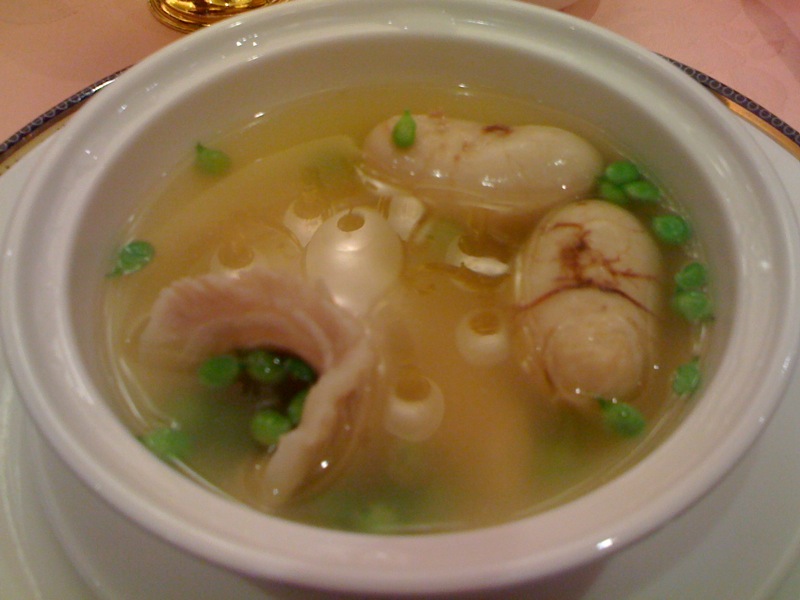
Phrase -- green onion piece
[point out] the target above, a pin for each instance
(295, 408)
(642, 191)
(621, 172)
(695, 306)
(612, 192)
(132, 257)
(404, 132)
(692, 277)
(213, 162)
(220, 371)
(268, 425)
(264, 366)
(168, 443)
(686, 378)
(622, 418)
(671, 229)
(300, 370)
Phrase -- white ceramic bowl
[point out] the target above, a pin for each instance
(557, 4)
(117, 146)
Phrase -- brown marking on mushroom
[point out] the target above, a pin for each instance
(576, 260)
(498, 128)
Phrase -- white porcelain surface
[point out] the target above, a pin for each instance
(557, 4)
(145, 119)
(739, 543)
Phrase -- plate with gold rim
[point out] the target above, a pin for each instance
(741, 541)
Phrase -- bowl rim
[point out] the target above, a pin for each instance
(356, 562)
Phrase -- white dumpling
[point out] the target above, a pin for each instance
(526, 169)
(588, 294)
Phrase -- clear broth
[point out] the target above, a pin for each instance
(500, 452)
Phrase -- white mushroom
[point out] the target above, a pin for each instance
(482, 338)
(252, 244)
(357, 256)
(405, 214)
(415, 406)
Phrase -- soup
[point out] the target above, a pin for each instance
(454, 345)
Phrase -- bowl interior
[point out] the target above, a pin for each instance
(122, 145)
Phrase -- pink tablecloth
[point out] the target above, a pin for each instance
(49, 49)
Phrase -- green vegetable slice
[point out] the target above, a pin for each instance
(622, 418)
(612, 192)
(265, 366)
(210, 161)
(686, 378)
(671, 229)
(133, 257)
(295, 409)
(168, 443)
(220, 371)
(299, 370)
(621, 172)
(377, 517)
(642, 191)
(692, 277)
(268, 425)
(694, 305)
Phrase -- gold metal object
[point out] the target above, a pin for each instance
(189, 15)
(777, 136)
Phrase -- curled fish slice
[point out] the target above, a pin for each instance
(202, 316)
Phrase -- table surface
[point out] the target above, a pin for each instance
(50, 49)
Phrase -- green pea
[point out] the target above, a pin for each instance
(404, 132)
(132, 257)
(213, 162)
(642, 190)
(264, 366)
(220, 371)
(268, 425)
(692, 277)
(686, 378)
(621, 172)
(377, 517)
(622, 418)
(295, 408)
(671, 229)
(168, 443)
(612, 192)
(300, 370)
(694, 305)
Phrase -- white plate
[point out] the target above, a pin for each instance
(741, 542)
